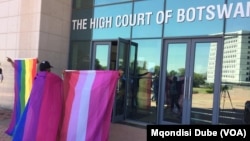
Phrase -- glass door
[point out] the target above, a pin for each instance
(190, 87)
(122, 60)
(101, 56)
(173, 80)
(126, 63)
(118, 55)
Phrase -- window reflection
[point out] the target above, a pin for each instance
(241, 19)
(235, 87)
(101, 60)
(147, 50)
(148, 66)
(192, 21)
(236, 62)
(174, 88)
(149, 28)
(79, 58)
(235, 76)
(105, 22)
(203, 82)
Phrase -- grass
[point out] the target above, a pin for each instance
(202, 90)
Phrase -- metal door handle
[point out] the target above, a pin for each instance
(189, 88)
(184, 89)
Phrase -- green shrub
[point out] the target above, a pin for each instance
(195, 92)
(209, 91)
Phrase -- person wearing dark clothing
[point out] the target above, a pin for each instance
(155, 89)
(174, 94)
(180, 88)
(135, 84)
(1, 75)
(43, 109)
(45, 66)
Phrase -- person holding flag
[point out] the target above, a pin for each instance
(1, 74)
(24, 72)
(41, 117)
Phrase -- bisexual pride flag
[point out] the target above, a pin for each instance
(24, 71)
(89, 97)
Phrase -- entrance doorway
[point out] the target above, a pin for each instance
(195, 64)
(119, 55)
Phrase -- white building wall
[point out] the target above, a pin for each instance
(55, 33)
(235, 53)
(10, 32)
(32, 29)
(211, 63)
(235, 58)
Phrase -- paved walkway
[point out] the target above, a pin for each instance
(118, 132)
(5, 115)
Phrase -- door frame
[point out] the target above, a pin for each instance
(128, 44)
(187, 102)
(93, 52)
(121, 117)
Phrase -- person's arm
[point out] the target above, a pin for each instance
(143, 74)
(11, 61)
(1, 74)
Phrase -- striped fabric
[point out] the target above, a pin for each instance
(24, 71)
(42, 116)
(89, 97)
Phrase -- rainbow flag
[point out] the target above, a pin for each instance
(89, 97)
(24, 71)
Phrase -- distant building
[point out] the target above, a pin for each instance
(236, 59)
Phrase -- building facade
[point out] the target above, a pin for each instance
(32, 29)
(205, 44)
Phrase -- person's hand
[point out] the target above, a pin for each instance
(121, 72)
(9, 59)
(63, 72)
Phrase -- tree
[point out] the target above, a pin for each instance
(181, 71)
(198, 80)
(172, 73)
(98, 66)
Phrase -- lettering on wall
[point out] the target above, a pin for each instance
(191, 14)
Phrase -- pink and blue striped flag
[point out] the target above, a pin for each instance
(89, 97)
(24, 71)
